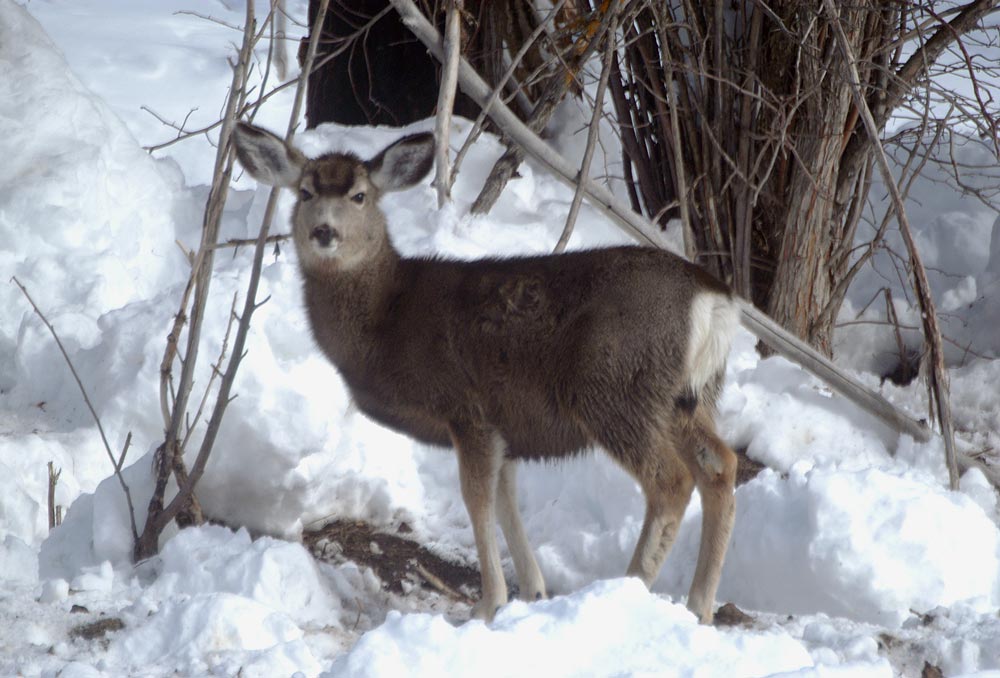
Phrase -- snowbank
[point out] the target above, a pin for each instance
(90, 221)
(866, 545)
(609, 628)
(219, 597)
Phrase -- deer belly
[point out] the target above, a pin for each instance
(417, 424)
(535, 430)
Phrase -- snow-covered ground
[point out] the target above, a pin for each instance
(848, 552)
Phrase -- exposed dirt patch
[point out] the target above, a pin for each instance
(393, 558)
(97, 629)
(396, 559)
(730, 615)
(746, 468)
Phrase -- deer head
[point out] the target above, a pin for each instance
(336, 223)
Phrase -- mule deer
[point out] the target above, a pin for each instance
(521, 358)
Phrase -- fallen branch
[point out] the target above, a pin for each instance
(798, 351)
(477, 126)
(437, 583)
(505, 119)
(755, 320)
(506, 167)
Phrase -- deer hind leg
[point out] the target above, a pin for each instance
(667, 485)
(479, 461)
(713, 465)
(529, 577)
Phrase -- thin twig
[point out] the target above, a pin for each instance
(210, 18)
(254, 105)
(216, 372)
(243, 242)
(592, 133)
(938, 377)
(121, 457)
(437, 583)
(477, 127)
(86, 399)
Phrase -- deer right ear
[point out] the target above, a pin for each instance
(266, 156)
(402, 163)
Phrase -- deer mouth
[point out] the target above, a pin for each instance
(325, 235)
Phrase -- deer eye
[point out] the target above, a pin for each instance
(305, 195)
(358, 198)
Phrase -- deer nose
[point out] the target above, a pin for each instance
(324, 235)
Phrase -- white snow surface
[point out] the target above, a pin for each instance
(848, 538)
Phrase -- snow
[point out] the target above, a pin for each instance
(848, 539)
(853, 543)
(608, 628)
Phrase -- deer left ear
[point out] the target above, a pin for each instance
(402, 163)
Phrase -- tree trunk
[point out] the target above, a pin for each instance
(379, 74)
(764, 120)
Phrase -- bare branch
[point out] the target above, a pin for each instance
(446, 101)
(53, 481)
(201, 275)
(592, 133)
(938, 377)
(224, 398)
(86, 399)
(478, 90)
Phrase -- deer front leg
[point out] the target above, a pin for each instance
(479, 462)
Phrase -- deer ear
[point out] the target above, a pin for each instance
(402, 163)
(266, 156)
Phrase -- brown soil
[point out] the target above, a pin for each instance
(746, 468)
(394, 559)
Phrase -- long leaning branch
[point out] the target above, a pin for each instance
(752, 318)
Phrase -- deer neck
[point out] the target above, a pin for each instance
(346, 307)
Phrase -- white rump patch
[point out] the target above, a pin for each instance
(713, 322)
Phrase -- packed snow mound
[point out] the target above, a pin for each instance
(279, 574)
(217, 633)
(611, 627)
(95, 212)
(219, 594)
(89, 221)
(866, 545)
